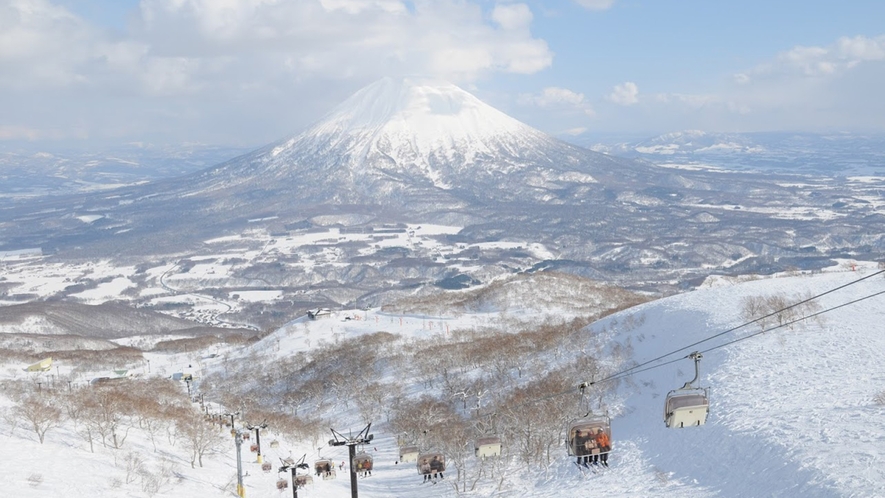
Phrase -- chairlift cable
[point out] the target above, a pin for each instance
(630, 371)
(637, 369)
(794, 321)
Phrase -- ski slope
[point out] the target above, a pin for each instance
(792, 413)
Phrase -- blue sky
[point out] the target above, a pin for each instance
(247, 72)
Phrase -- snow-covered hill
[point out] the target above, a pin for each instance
(795, 411)
(28, 172)
(830, 154)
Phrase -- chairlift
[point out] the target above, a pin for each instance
(274, 444)
(253, 448)
(267, 466)
(431, 464)
(324, 468)
(489, 446)
(688, 405)
(362, 463)
(302, 480)
(282, 483)
(589, 438)
(408, 454)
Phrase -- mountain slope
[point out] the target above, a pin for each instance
(409, 143)
(794, 411)
(410, 152)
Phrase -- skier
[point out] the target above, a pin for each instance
(604, 444)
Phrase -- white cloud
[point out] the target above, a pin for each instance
(357, 6)
(625, 94)
(512, 16)
(861, 48)
(41, 43)
(811, 87)
(595, 4)
(179, 58)
(843, 55)
(558, 98)
(575, 131)
(450, 39)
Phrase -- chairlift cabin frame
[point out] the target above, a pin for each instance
(689, 405)
(489, 446)
(303, 480)
(582, 436)
(363, 462)
(431, 463)
(324, 468)
(409, 454)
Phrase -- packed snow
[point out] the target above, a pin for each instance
(795, 411)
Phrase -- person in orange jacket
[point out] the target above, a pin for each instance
(604, 444)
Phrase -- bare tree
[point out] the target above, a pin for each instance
(107, 411)
(40, 412)
(370, 401)
(76, 406)
(202, 437)
(780, 308)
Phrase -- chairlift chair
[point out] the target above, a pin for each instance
(431, 463)
(362, 462)
(408, 454)
(324, 468)
(303, 480)
(487, 447)
(267, 466)
(282, 483)
(689, 405)
(584, 433)
(274, 444)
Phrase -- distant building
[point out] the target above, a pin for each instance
(319, 313)
(41, 366)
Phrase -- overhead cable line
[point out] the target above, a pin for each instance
(638, 368)
(786, 324)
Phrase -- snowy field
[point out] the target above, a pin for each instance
(175, 285)
(793, 412)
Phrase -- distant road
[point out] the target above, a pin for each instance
(215, 317)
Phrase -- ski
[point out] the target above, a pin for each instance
(583, 468)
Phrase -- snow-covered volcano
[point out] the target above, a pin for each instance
(430, 129)
(398, 135)
(427, 117)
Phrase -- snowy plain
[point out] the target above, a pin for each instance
(794, 410)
